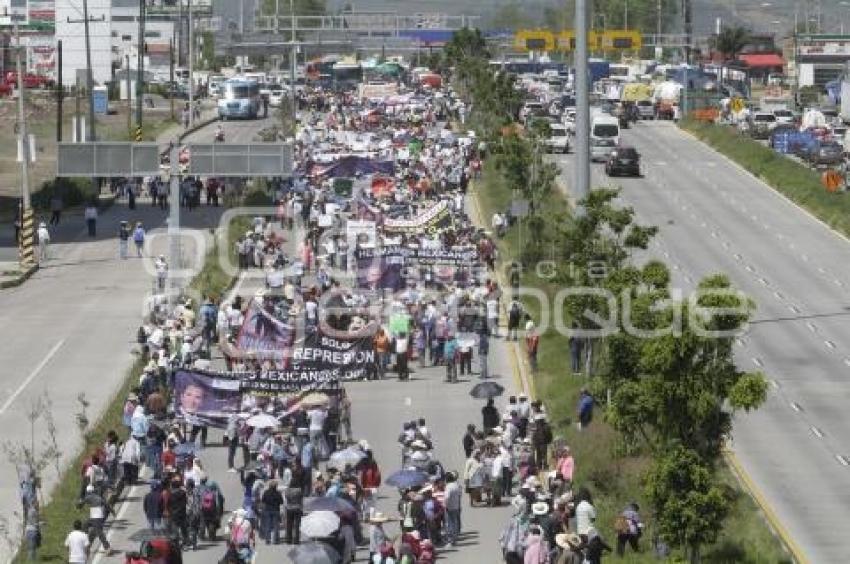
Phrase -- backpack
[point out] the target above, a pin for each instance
(621, 525)
(208, 501)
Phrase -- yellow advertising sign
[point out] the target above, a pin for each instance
(542, 40)
(534, 40)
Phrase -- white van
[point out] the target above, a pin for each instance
(604, 136)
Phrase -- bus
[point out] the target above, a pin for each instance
(240, 98)
(347, 73)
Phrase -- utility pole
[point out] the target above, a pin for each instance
(173, 224)
(582, 173)
(60, 93)
(140, 72)
(171, 75)
(92, 133)
(78, 125)
(687, 11)
(191, 69)
(129, 96)
(27, 237)
(293, 64)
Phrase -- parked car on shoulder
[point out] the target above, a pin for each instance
(826, 153)
(784, 116)
(623, 161)
(761, 124)
(559, 138)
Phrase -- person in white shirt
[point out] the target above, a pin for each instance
(77, 543)
(585, 513)
(43, 240)
(317, 417)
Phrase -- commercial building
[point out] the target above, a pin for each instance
(821, 58)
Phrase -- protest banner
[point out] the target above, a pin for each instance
(204, 399)
(262, 335)
(433, 219)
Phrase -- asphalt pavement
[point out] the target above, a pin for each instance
(378, 411)
(714, 217)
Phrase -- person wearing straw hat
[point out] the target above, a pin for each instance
(377, 536)
(570, 548)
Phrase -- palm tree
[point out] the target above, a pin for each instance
(730, 41)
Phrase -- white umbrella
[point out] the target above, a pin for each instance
(262, 421)
(342, 458)
(319, 524)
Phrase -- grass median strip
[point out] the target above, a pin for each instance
(602, 463)
(793, 179)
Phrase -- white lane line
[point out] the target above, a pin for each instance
(725, 245)
(829, 344)
(32, 376)
(842, 460)
(738, 257)
(750, 268)
(805, 258)
(821, 270)
(779, 295)
(764, 281)
(812, 327)
(817, 432)
(838, 282)
(847, 361)
(794, 309)
(740, 342)
(775, 384)
(796, 407)
(758, 362)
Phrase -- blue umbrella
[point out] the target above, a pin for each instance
(184, 449)
(405, 479)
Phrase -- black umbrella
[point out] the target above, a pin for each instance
(335, 504)
(486, 390)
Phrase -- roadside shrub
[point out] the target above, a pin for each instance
(73, 191)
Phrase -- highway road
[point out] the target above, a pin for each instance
(72, 326)
(715, 217)
(378, 411)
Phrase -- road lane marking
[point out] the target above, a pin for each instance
(32, 376)
(817, 432)
(829, 344)
(796, 407)
(758, 362)
(847, 361)
(775, 384)
(763, 281)
(738, 257)
(842, 460)
(750, 268)
(794, 309)
(821, 270)
(805, 258)
(838, 282)
(779, 295)
(812, 327)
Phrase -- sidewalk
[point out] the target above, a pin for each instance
(71, 227)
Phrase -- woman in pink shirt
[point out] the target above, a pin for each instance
(565, 465)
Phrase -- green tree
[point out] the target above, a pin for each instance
(466, 47)
(689, 503)
(730, 41)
